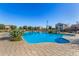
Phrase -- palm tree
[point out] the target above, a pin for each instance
(49, 29)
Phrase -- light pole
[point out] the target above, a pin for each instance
(46, 25)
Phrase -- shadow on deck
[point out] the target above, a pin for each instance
(5, 38)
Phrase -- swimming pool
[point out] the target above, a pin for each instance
(41, 37)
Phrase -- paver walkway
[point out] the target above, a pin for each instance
(22, 48)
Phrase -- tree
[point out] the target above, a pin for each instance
(20, 28)
(36, 28)
(13, 27)
(2, 26)
(50, 27)
(30, 28)
(25, 27)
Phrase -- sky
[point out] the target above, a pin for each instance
(36, 14)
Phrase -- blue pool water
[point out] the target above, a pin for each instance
(39, 37)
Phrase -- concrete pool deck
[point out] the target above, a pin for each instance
(21, 48)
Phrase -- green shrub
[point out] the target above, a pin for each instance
(16, 35)
(51, 31)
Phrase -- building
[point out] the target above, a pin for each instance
(7, 27)
(75, 28)
(60, 27)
